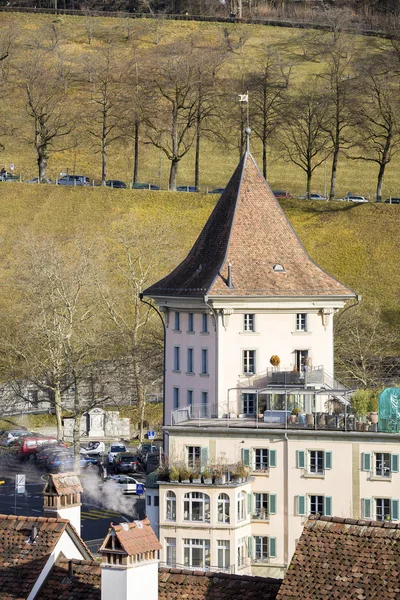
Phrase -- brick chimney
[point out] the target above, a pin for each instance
(62, 498)
(130, 557)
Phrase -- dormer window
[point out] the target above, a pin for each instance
(279, 268)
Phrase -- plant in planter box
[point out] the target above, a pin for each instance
(363, 402)
(239, 472)
(163, 473)
(184, 473)
(206, 475)
(174, 473)
(219, 474)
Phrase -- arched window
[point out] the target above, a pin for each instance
(241, 506)
(223, 508)
(171, 506)
(196, 507)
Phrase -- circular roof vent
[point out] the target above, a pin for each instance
(279, 268)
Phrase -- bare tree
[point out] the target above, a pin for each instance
(268, 85)
(303, 134)
(172, 97)
(46, 106)
(106, 108)
(378, 128)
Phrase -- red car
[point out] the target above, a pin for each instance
(28, 446)
(281, 194)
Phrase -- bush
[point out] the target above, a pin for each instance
(364, 401)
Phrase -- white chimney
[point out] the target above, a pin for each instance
(130, 562)
(62, 498)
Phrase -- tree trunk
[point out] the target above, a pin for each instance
(334, 172)
(380, 182)
(136, 152)
(264, 133)
(77, 427)
(198, 136)
(104, 149)
(58, 412)
(42, 163)
(172, 174)
(309, 175)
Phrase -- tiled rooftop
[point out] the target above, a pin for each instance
(133, 538)
(248, 229)
(63, 484)
(21, 557)
(345, 559)
(84, 584)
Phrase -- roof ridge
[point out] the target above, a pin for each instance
(33, 519)
(218, 574)
(358, 522)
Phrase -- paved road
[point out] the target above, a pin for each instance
(96, 516)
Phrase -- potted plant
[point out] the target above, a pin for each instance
(206, 476)
(275, 361)
(239, 472)
(220, 475)
(184, 473)
(174, 473)
(163, 473)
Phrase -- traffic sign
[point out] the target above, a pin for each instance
(20, 484)
(11, 167)
(140, 489)
(151, 435)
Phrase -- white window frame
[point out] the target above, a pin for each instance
(261, 548)
(191, 544)
(223, 508)
(249, 322)
(263, 459)
(301, 322)
(384, 471)
(241, 552)
(261, 505)
(249, 362)
(223, 554)
(170, 551)
(314, 462)
(196, 502)
(320, 498)
(193, 456)
(241, 506)
(170, 506)
(379, 511)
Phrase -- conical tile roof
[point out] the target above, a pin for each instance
(249, 230)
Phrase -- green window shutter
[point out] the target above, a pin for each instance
(272, 458)
(328, 506)
(328, 460)
(272, 547)
(272, 504)
(394, 467)
(204, 457)
(301, 459)
(366, 461)
(246, 456)
(301, 506)
(366, 506)
(250, 502)
(394, 510)
(250, 546)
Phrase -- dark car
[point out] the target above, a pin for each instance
(281, 194)
(75, 180)
(125, 462)
(42, 455)
(65, 461)
(145, 186)
(393, 201)
(115, 183)
(217, 191)
(187, 188)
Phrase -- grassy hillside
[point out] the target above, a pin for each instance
(81, 156)
(359, 244)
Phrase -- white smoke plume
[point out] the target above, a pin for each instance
(108, 495)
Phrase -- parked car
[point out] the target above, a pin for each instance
(115, 449)
(127, 485)
(27, 447)
(93, 449)
(9, 177)
(187, 188)
(11, 436)
(352, 198)
(217, 191)
(393, 201)
(37, 180)
(313, 197)
(65, 461)
(43, 455)
(115, 183)
(76, 180)
(281, 194)
(145, 186)
(125, 462)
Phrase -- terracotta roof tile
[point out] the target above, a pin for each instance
(134, 538)
(84, 584)
(248, 229)
(344, 558)
(22, 558)
(63, 484)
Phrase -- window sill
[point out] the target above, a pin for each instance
(190, 332)
(204, 333)
(257, 520)
(380, 478)
(177, 330)
(264, 473)
(301, 332)
(249, 333)
(175, 371)
(190, 373)
(204, 374)
(314, 475)
(197, 522)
